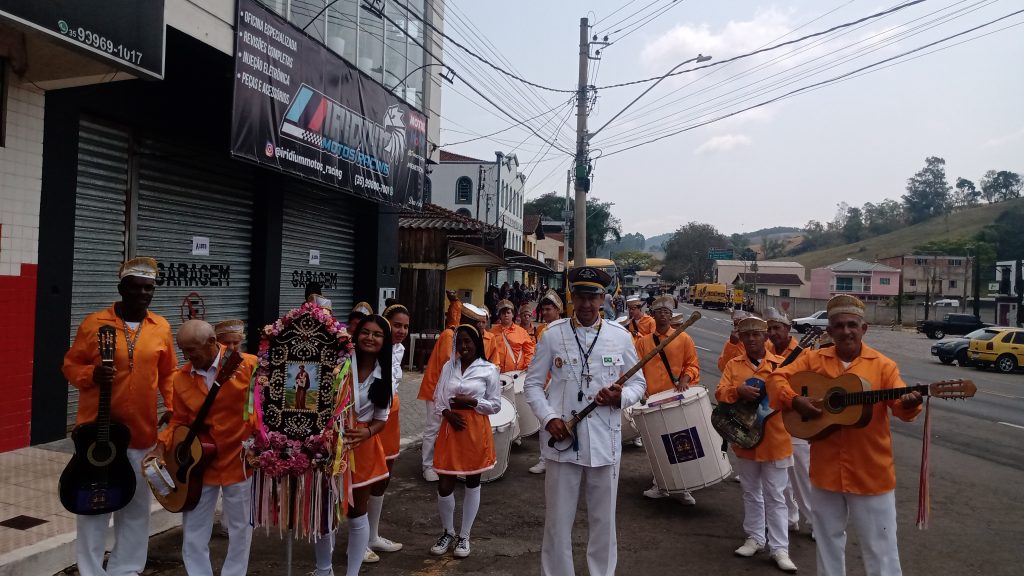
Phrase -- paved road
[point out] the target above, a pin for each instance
(976, 504)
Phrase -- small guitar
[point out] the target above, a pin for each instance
(847, 401)
(99, 478)
(177, 482)
(578, 416)
(742, 423)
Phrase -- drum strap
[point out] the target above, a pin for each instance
(511, 354)
(664, 360)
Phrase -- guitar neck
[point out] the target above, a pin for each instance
(875, 396)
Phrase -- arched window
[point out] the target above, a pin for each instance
(428, 191)
(464, 212)
(464, 190)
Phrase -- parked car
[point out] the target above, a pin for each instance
(950, 324)
(819, 319)
(999, 347)
(955, 349)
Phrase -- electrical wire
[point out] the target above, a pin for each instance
(836, 79)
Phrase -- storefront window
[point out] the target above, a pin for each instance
(370, 58)
(342, 22)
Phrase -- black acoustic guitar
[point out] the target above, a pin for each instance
(99, 478)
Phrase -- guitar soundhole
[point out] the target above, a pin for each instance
(834, 400)
(100, 454)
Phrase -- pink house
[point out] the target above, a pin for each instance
(866, 280)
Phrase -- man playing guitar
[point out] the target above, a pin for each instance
(143, 363)
(852, 472)
(224, 474)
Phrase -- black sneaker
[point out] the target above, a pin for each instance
(444, 543)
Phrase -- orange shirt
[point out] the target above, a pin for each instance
(133, 393)
(443, 353)
(522, 345)
(540, 331)
(790, 346)
(640, 328)
(682, 359)
(852, 460)
(730, 351)
(224, 423)
(776, 443)
(453, 314)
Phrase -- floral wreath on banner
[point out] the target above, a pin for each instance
(298, 454)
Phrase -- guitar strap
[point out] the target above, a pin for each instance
(636, 328)
(664, 360)
(199, 422)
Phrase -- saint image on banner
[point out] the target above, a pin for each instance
(302, 385)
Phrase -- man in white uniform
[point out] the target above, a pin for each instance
(585, 356)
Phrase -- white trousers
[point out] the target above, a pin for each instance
(131, 532)
(197, 525)
(562, 483)
(430, 430)
(764, 501)
(798, 492)
(874, 518)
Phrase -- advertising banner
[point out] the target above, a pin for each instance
(302, 109)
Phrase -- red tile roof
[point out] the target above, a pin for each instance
(436, 217)
(775, 279)
(447, 156)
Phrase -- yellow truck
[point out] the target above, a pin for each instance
(698, 294)
(737, 298)
(715, 296)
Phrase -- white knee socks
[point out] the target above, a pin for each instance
(470, 506)
(323, 550)
(358, 540)
(373, 508)
(446, 506)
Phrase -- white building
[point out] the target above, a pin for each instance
(787, 277)
(490, 191)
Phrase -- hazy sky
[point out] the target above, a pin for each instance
(782, 164)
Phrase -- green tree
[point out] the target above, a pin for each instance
(772, 247)
(883, 217)
(853, 228)
(1001, 186)
(966, 193)
(632, 261)
(602, 225)
(927, 191)
(686, 253)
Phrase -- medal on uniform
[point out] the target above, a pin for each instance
(558, 362)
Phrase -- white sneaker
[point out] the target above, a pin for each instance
(429, 475)
(782, 560)
(638, 442)
(539, 467)
(444, 543)
(654, 492)
(370, 557)
(385, 545)
(749, 548)
(687, 499)
(319, 572)
(461, 548)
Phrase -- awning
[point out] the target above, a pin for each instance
(517, 260)
(465, 255)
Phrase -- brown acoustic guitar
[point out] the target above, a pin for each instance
(848, 399)
(177, 480)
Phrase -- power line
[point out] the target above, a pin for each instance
(614, 12)
(858, 72)
(509, 127)
(769, 49)
(650, 19)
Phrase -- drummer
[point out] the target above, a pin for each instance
(468, 314)
(763, 469)
(677, 368)
(468, 391)
(733, 347)
(515, 346)
(525, 319)
(798, 492)
(638, 322)
(550, 310)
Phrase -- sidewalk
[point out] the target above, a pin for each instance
(37, 535)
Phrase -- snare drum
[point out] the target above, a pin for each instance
(629, 431)
(684, 449)
(512, 387)
(502, 427)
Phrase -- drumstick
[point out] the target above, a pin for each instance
(576, 418)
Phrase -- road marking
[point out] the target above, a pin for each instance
(703, 348)
(1014, 425)
(1001, 395)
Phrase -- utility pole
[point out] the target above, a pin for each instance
(582, 145)
(565, 219)
(479, 190)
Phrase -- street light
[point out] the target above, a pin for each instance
(699, 58)
(448, 76)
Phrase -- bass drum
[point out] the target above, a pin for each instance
(502, 425)
(513, 389)
(629, 430)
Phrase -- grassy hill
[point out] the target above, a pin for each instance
(952, 226)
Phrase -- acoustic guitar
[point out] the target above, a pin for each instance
(177, 481)
(742, 423)
(848, 399)
(99, 478)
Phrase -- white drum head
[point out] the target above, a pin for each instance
(505, 416)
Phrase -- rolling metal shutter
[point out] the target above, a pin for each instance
(317, 219)
(100, 201)
(185, 193)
